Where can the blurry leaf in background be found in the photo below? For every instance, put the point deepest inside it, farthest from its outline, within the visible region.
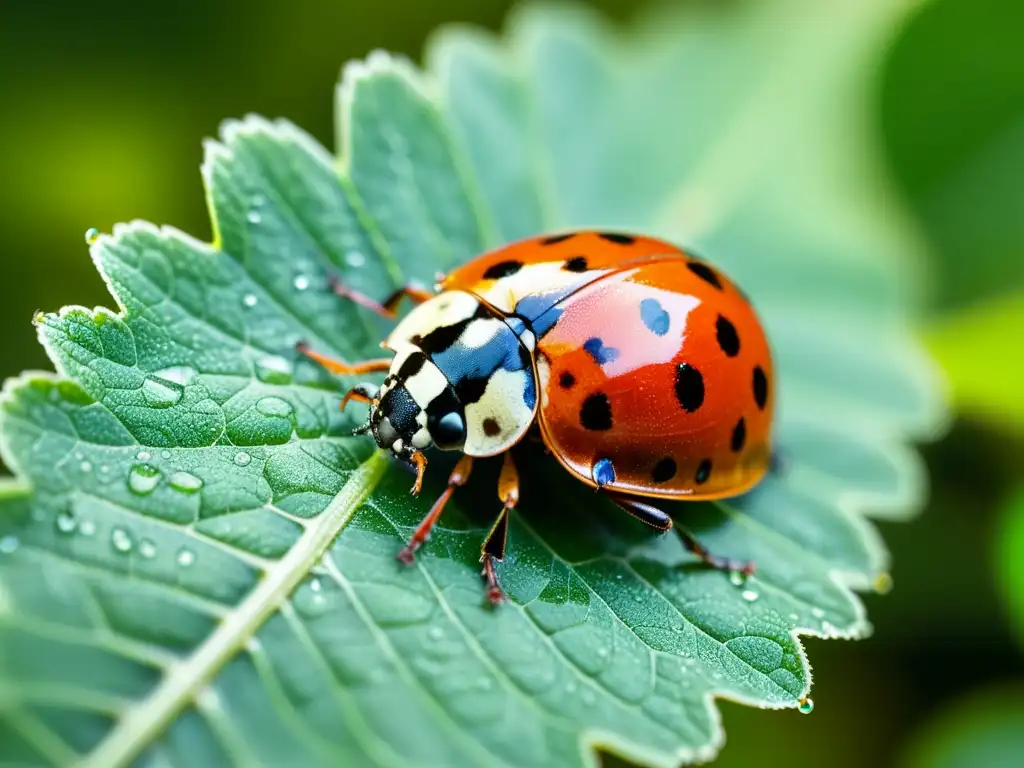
(983, 730)
(187, 482)
(981, 349)
(1009, 557)
(953, 111)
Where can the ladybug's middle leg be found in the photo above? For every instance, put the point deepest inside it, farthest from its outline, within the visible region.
(493, 549)
(458, 477)
(657, 519)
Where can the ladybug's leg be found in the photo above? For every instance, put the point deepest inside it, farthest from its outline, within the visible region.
(494, 545)
(655, 518)
(458, 477)
(387, 308)
(342, 368)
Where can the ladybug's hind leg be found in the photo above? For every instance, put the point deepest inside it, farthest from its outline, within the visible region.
(493, 549)
(657, 519)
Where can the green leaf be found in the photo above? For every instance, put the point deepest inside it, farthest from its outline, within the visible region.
(965, 180)
(173, 585)
(985, 728)
(1009, 544)
(979, 348)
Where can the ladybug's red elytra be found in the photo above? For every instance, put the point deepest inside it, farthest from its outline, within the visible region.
(645, 368)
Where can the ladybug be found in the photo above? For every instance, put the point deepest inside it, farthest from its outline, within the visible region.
(645, 368)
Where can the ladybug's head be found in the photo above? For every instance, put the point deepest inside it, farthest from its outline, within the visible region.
(415, 408)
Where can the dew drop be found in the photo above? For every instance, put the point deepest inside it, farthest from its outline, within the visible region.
(87, 528)
(104, 469)
(250, 300)
(92, 235)
(185, 482)
(143, 456)
(602, 652)
(883, 583)
(254, 217)
(147, 549)
(805, 705)
(315, 585)
(736, 578)
(274, 406)
(66, 522)
(750, 595)
(121, 540)
(177, 374)
(8, 544)
(143, 478)
(273, 369)
(85, 466)
(301, 282)
(79, 455)
(165, 454)
(159, 394)
(436, 633)
(185, 557)
(355, 259)
(242, 459)
(817, 612)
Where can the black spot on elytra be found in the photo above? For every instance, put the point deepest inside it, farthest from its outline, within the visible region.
(760, 387)
(502, 269)
(618, 239)
(553, 239)
(705, 273)
(576, 264)
(689, 387)
(728, 339)
(664, 470)
(596, 413)
(739, 436)
(703, 472)
(491, 427)
(439, 339)
(566, 380)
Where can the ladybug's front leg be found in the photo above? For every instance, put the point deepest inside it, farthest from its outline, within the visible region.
(493, 549)
(342, 368)
(657, 519)
(458, 477)
(387, 308)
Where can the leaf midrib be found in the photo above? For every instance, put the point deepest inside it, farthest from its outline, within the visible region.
(185, 680)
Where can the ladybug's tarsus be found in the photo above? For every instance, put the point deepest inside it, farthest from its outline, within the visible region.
(726, 564)
(458, 477)
(387, 308)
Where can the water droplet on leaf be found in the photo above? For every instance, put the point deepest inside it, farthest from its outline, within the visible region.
(185, 482)
(177, 374)
(315, 585)
(8, 544)
(817, 612)
(87, 528)
(85, 466)
(185, 557)
(92, 235)
(66, 522)
(121, 540)
(143, 478)
(750, 595)
(254, 217)
(273, 370)
(736, 578)
(806, 705)
(355, 259)
(883, 583)
(274, 406)
(143, 456)
(250, 300)
(159, 394)
(436, 633)
(242, 459)
(147, 549)
(301, 282)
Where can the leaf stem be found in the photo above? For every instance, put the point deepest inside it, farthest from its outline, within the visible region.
(185, 680)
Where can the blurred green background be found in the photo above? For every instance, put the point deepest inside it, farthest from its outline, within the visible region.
(104, 109)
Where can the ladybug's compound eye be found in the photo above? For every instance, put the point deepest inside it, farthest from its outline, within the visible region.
(448, 431)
